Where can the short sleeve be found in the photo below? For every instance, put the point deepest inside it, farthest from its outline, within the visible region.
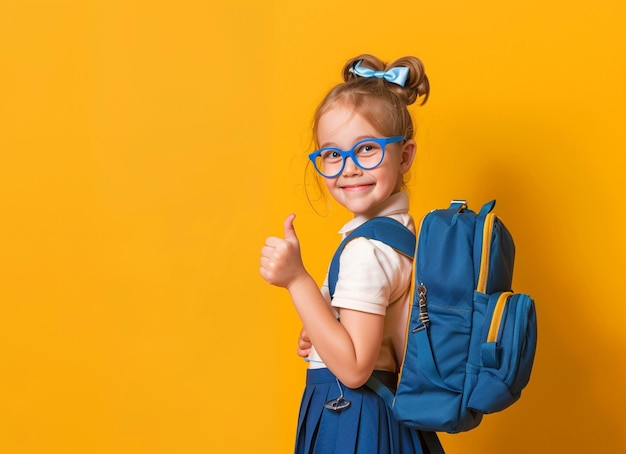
(371, 275)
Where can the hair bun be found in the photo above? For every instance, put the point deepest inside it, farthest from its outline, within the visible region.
(368, 61)
(416, 85)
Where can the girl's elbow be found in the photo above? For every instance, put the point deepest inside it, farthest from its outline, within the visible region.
(356, 379)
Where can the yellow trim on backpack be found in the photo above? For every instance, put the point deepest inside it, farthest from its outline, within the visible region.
(485, 254)
(496, 318)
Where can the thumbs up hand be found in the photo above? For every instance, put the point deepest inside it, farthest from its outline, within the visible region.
(281, 262)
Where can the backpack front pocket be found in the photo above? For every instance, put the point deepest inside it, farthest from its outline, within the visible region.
(507, 352)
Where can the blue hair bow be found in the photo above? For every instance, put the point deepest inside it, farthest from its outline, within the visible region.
(397, 75)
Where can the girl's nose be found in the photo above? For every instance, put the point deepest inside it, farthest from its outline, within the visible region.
(350, 168)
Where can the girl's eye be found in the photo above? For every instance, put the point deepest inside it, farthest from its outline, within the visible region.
(331, 155)
(368, 149)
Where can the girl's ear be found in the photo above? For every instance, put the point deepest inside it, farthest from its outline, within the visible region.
(407, 155)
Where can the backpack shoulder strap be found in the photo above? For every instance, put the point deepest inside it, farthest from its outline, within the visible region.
(384, 229)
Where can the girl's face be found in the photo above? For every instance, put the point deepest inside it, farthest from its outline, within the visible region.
(362, 191)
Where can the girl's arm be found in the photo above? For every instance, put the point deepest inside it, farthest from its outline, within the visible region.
(349, 348)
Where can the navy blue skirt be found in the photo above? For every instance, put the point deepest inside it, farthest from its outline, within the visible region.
(367, 426)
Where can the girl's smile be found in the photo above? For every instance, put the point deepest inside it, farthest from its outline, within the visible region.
(357, 187)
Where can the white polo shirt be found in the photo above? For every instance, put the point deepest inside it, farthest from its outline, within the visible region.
(376, 279)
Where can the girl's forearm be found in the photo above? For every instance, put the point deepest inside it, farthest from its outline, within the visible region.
(332, 341)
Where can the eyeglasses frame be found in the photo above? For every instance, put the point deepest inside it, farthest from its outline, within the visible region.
(382, 141)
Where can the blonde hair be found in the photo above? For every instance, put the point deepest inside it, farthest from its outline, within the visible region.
(383, 104)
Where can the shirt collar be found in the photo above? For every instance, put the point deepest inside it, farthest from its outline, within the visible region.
(397, 203)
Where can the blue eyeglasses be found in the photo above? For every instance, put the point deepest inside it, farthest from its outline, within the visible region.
(366, 154)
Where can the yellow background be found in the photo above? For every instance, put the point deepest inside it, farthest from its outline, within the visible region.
(148, 148)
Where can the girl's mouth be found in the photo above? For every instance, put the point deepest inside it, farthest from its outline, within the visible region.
(357, 187)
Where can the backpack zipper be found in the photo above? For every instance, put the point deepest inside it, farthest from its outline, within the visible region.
(496, 318)
(485, 255)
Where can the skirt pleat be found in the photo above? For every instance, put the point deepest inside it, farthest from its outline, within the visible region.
(349, 425)
(310, 418)
(371, 436)
(366, 427)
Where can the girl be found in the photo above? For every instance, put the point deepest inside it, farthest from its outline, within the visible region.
(364, 135)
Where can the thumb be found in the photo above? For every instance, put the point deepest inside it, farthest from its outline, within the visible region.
(290, 231)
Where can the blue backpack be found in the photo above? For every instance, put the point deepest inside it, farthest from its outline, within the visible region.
(470, 340)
